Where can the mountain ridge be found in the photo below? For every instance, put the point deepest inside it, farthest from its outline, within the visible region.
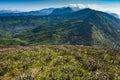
(96, 23)
(60, 11)
(45, 11)
(84, 27)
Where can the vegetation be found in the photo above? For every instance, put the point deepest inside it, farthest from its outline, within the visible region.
(60, 57)
(12, 41)
(59, 62)
(63, 26)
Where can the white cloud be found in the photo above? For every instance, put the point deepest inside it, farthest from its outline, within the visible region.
(105, 8)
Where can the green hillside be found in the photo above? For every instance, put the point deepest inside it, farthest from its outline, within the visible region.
(84, 27)
(12, 41)
(63, 62)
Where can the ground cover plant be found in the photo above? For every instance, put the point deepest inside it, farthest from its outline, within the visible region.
(59, 62)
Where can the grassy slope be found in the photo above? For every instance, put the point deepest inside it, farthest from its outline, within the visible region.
(59, 63)
(12, 41)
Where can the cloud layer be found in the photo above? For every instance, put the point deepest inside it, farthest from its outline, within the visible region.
(112, 9)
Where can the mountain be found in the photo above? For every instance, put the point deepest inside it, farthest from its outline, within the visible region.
(115, 15)
(83, 27)
(40, 12)
(45, 11)
(64, 26)
(8, 11)
(63, 10)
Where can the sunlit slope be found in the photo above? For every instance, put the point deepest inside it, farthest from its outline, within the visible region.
(59, 63)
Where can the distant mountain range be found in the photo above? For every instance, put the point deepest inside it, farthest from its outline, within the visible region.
(45, 11)
(60, 11)
(8, 11)
(17, 13)
(62, 26)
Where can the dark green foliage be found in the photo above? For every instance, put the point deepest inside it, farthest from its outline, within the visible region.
(63, 62)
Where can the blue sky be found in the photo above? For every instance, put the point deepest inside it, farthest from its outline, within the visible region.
(27, 5)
